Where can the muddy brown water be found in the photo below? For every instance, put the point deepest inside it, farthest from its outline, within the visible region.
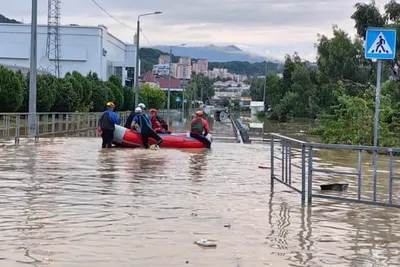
(66, 202)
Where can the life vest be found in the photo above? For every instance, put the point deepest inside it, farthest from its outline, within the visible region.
(197, 126)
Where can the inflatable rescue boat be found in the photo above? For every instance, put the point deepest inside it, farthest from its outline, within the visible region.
(128, 138)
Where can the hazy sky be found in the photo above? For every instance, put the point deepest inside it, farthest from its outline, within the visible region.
(267, 27)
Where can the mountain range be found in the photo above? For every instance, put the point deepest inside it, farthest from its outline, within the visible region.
(213, 53)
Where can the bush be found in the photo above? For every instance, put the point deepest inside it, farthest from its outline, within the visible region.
(152, 97)
(72, 93)
(11, 93)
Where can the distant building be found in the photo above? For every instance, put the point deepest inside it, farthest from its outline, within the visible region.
(83, 49)
(150, 79)
(200, 67)
(163, 59)
(184, 68)
(217, 72)
(161, 69)
(161, 82)
(230, 89)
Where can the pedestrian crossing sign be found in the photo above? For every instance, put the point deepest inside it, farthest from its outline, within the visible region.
(380, 43)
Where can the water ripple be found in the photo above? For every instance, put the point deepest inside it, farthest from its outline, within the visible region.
(65, 202)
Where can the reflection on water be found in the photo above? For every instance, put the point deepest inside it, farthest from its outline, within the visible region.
(69, 203)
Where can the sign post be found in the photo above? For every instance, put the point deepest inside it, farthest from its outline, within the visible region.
(380, 44)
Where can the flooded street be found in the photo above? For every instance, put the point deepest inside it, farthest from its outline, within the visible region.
(66, 202)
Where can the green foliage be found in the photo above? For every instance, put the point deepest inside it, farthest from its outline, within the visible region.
(67, 99)
(47, 86)
(152, 97)
(11, 92)
(129, 98)
(200, 83)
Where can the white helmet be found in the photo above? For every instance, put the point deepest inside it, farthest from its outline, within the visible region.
(142, 106)
(138, 110)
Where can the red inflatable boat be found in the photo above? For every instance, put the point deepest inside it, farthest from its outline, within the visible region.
(127, 138)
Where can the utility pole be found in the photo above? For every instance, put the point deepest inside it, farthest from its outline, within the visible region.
(169, 83)
(33, 73)
(265, 82)
(137, 64)
(137, 55)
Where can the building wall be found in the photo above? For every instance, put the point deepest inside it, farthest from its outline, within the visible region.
(202, 65)
(161, 69)
(163, 59)
(83, 49)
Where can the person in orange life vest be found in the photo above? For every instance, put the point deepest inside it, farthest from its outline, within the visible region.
(198, 125)
(158, 124)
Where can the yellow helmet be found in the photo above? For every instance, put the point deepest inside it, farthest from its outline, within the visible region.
(110, 104)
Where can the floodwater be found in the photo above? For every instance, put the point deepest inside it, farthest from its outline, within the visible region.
(65, 202)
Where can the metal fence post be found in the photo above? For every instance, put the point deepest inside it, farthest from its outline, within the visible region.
(303, 174)
(310, 170)
(272, 163)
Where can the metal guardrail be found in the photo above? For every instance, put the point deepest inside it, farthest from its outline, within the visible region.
(295, 163)
(15, 125)
(236, 130)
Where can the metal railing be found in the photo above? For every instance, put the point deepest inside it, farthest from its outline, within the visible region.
(236, 130)
(296, 168)
(15, 125)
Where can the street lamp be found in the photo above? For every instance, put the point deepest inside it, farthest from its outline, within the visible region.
(265, 82)
(169, 81)
(137, 55)
(33, 73)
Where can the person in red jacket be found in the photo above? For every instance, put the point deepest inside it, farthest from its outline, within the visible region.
(158, 124)
(200, 129)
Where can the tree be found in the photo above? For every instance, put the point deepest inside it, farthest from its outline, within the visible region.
(129, 98)
(86, 88)
(152, 97)
(11, 94)
(47, 86)
(67, 99)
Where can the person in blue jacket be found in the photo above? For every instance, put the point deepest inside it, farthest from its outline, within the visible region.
(141, 123)
(107, 122)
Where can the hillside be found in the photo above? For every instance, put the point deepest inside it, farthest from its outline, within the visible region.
(150, 57)
(214, 53)
(3, 19)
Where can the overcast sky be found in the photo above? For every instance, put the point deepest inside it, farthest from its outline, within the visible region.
(267, 27)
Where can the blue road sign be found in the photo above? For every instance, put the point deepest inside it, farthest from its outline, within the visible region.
(178, 99)
(380, 43)
(241, 103)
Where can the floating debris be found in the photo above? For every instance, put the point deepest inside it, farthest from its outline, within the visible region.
(193, 214)
(227, 225)
(263, 167)
(334, 187)
(205, 243)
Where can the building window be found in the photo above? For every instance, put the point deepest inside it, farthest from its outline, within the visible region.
(118, 72)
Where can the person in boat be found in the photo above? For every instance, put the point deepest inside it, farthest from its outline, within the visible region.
(158, 123)
(133, 114)
(130, 119)
(200, 129)
(142, 124)
(107, 122)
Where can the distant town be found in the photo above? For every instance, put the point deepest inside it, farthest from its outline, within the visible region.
(184, 68)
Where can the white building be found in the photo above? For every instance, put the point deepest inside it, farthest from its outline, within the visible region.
(83, 49)
(161, 69)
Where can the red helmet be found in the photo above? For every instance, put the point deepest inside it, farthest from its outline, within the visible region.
(153, 111)
(199, 113)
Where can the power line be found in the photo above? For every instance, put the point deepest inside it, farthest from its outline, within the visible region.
(111, 16)
(117, 20)
(145, 37)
